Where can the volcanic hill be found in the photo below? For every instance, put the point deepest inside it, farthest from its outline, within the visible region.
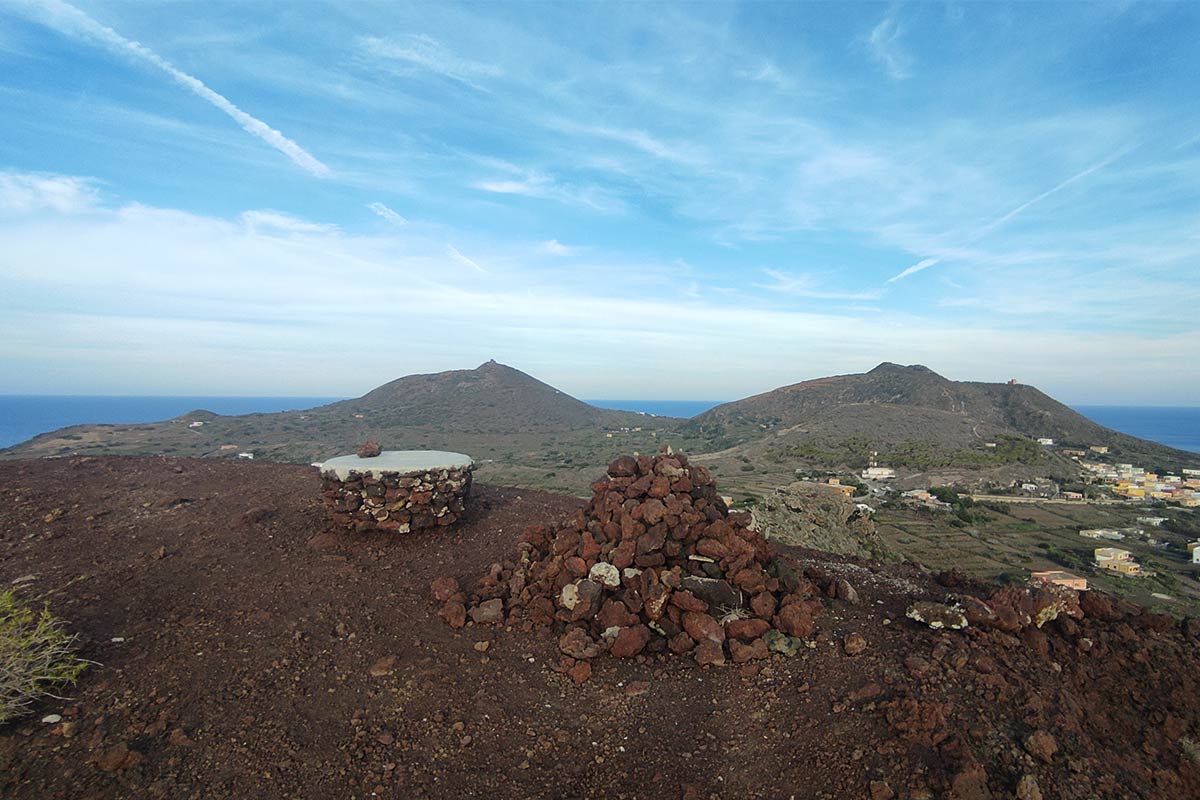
(913, 417)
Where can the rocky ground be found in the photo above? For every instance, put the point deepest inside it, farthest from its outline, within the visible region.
(245, 649)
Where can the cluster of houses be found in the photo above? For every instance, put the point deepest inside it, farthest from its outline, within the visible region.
(1135, 483)
(1114, 559)
(922, 498)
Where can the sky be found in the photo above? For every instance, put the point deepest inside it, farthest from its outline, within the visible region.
(629, 200)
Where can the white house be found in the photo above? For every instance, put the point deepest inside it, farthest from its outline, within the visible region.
(1045, 441)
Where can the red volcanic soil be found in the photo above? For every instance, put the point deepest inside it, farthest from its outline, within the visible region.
(244, 649)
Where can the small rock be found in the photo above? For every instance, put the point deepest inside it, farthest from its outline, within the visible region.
(489, 612)
(709, 652)
(481, 647)
(179, 739)
(779, 642)
(383, 666)
(847, 592)
(880, 790)
(114, 758)
(581, 672)
(630, 641)
(604, 573)
(369, 449)
(854, 644)
(1041, 745)
(52, 719)
(385, 738)
(1028, 789)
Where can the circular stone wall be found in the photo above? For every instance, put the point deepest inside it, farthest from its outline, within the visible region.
(397, 490)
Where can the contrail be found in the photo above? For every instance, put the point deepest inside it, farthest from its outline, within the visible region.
(69, 20)
(1001, 220)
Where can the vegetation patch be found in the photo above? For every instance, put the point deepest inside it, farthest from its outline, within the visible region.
(37, 656)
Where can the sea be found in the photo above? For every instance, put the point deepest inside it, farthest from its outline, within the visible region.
(25, 416)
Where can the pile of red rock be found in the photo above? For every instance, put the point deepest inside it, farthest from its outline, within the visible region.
(654, 562)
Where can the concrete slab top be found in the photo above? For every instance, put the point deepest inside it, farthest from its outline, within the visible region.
(404, 462)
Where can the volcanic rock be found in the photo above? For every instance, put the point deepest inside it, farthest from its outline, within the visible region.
(654, 562)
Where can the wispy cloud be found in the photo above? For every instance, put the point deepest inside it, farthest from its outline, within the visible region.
(807, 286)
(265, 220)
(26, 192)
(554, 247)
(69, 20)
(460, 258)
(539, 185)
(884, 44)
(387, 213)
(425, 52)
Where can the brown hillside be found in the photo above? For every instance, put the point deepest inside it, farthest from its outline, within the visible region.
(245, 650)
(894, 405)
(492, 397)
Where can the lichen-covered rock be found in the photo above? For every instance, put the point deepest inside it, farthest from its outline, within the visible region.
(938, 616)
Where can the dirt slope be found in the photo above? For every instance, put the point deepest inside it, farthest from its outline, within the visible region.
(250, 636)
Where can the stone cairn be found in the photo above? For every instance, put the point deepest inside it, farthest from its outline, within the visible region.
(655, 562)
(400, 502)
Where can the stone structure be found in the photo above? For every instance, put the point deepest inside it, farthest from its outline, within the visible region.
(397, 490)
(654, 562)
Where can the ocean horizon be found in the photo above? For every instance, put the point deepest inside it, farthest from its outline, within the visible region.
(24, 416)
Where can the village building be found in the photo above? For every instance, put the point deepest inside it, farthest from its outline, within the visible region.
(1102, 533)
(1117, 560)
(1060, 578)
(1046, 442)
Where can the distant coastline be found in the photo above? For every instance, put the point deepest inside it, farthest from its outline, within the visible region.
(24, 416)
(1174, 426)
(660, 408)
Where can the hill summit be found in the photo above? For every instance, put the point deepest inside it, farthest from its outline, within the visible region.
(492, 397)
(893, 407)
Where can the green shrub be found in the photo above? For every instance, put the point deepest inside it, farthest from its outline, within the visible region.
(36, 656)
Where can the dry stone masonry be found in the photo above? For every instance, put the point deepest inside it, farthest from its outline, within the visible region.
(397, 490)
(654, 563)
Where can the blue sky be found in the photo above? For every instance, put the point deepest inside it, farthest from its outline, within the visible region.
(626, 200)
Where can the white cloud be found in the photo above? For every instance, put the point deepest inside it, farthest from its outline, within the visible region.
(280, 300)
(387, 213)
(884, 44)
(554, 247)
(536, 184)
(274, 220)
(69, 20)
(28, 192)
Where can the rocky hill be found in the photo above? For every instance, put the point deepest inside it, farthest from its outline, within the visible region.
(491, 398)
(522, 431)
(243, 648)
(913, 417)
